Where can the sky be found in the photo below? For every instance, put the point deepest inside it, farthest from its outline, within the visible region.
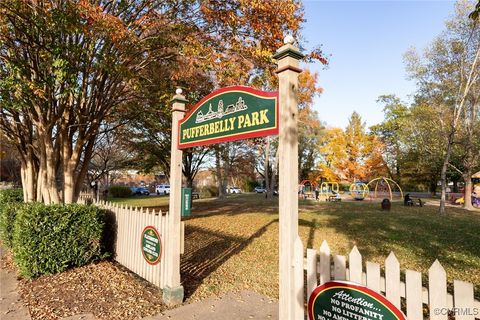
(367, 40)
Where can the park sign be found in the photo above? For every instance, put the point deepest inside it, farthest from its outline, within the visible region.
(341, 300)
(151, 245)
(229, 114)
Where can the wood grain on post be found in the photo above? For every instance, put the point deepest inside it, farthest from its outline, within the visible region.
(172, 247)
(288, 57)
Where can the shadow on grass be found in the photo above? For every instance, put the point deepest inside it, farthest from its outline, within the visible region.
(206, 250)
(416, 235)
(235, 204)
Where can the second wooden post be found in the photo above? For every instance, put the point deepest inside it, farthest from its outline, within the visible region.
(288, 58)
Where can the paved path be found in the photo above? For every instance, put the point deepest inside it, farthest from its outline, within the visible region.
(244, 305)
(11, 306)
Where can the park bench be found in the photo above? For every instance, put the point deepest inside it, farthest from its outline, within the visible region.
(195, 195)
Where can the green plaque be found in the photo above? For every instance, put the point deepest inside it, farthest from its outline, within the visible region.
(186, 202)
(349, 301)
(151, 245)
(229, 114)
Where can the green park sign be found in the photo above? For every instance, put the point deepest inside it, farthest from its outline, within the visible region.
(229, 114)
(341, 300)
(151, 245)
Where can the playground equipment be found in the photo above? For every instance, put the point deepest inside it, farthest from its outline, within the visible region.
(306, 189)
(383, 186)
(475, 192)
(328, 189)
(359, 190)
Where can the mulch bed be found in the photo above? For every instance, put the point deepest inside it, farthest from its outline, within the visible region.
(105, 289)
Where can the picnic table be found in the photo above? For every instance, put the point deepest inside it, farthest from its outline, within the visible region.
(334, 198)
(195, 195)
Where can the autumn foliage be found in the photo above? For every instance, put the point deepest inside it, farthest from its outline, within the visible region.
(352, 154)
(69, 68)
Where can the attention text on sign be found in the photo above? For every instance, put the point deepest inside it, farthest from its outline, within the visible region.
(338, 300)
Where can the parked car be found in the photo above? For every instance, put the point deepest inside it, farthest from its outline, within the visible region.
(162, 189)
(260, 190)
(234, 190)
(140, 191)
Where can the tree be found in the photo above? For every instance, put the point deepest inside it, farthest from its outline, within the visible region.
(9, 163)
(352, 154)
(230, 42)
(109, 156)
(310, 128)
(413, 143)
(391, 133)
(475, 13)
(447, 76)
(192, 163)
(65, 66)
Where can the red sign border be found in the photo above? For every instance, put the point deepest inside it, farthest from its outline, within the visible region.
(256, 134)
(354, 286)
(161, 245)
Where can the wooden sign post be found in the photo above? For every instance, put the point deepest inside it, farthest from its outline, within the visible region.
(173, 292)
(288, 58)
(233, 113)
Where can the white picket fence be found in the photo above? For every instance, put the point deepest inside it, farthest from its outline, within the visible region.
(130, 223)
(410, 296)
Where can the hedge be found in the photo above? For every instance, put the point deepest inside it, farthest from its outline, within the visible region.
(11, 196)
(10, 200)
(120, 192)
(208, 191)
(50, 239)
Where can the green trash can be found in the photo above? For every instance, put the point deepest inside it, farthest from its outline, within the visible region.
(186, 202)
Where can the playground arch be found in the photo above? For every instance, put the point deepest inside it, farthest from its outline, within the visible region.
(382, 186)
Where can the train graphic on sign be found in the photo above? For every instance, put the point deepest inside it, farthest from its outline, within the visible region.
(233, 108)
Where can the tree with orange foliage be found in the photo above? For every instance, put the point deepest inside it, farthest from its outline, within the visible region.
(352, 154)
(67, 67)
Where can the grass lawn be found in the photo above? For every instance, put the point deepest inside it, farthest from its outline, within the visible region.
(232, 244)
(143, 201)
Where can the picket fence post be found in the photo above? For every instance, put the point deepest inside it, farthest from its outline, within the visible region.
(462, 304)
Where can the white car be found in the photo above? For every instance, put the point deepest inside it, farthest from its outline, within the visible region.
(260, 190)
(162, 189)
(234, 190)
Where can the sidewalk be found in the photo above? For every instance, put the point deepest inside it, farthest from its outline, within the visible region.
(11, 306)
(242, 305)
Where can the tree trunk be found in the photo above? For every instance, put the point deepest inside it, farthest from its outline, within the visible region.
(189, 181)
(273, 181)
(267, 165)
(69, 185)
(433, 188)
(227, 166)
(218, 173)
(467, 177)
(443, 175)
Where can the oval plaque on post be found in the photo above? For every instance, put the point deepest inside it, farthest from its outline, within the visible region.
(345, 301)
(151, 245)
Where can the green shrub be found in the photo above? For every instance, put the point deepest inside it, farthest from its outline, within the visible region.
(50, 239)
(120, 192)
(10, 200)
(8, 212)
(11, 196)
(208, 191)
